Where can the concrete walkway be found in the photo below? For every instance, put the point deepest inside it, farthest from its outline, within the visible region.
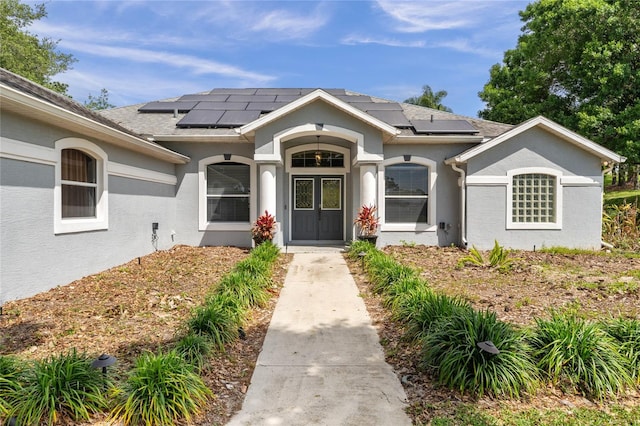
(321, 362)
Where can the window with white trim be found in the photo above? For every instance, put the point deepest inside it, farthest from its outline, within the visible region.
(228, 192)
(534, 199)
(81, 189)
(406, 193)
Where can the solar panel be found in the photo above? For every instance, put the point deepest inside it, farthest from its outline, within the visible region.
(233, 91)
(209, 98)
(222, 106)
(264, 106)
(443, 126)
(251, 98)
(159, 106)
(237, 118)
(281, 91)
(287, 98)
(354, 98)
(200, 118)
(378, 106)
(395, 118)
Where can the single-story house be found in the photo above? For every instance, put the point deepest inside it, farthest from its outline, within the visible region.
(83, 191)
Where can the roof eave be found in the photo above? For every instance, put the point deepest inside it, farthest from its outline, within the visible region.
(318, 94)
(436, 139)
(32, 107)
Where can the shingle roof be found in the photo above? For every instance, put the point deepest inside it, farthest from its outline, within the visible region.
(219, 111)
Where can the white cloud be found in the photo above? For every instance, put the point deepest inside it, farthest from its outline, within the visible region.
(359, 39)
(193, 64)
(288, 25)
(422, 16)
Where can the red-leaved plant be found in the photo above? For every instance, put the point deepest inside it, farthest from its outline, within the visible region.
(367, 220)
(263, 228)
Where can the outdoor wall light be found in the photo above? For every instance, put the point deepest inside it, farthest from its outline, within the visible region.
(104, 361)
(227, 157)
(489, 347)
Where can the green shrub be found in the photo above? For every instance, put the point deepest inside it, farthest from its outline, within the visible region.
(358, 247)
(383, 278)
(248, 290)
(194, 348)
(218, 319)
(499, 258)
(11, 378)
(60, 386)
(401, 287)
(450, 349)
(430, 308)
(254, 266)
(579, 355)
(267, 251)
(627, 334)
(160, 390)
(474, 258)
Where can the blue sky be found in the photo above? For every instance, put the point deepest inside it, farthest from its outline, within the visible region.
(149, 50)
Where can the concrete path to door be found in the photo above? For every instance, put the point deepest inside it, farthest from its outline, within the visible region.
(321, 362)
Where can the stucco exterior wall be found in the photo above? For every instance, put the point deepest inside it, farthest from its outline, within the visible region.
(580, 186)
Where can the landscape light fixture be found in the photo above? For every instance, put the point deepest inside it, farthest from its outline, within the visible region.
(104, 361)
(489, 347)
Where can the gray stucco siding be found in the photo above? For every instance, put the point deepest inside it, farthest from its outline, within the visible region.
(534, 148)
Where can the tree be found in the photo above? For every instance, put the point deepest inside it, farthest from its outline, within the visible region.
(99, 102)
(429, 99)
(577, 63)
(26, 54)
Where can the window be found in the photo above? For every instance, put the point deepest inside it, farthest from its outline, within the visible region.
(535, 199)
(228, 186)
(317, 158)
(226, 201)
(406, 193)
(80, 194)
(79, 184)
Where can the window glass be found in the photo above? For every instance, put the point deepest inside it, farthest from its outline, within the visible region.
(533, 198)
(228, 188)
(79, 185)
(406, 193)
(317, 159)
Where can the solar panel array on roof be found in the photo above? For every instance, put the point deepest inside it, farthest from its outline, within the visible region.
(444, 127)
(394, 118)
(168, 106)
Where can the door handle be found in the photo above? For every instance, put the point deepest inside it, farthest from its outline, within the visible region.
(319, 211)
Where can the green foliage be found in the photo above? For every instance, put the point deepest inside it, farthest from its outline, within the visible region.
(99, 102)
(25, 54)
(194, 349)
(11, 372)
(430, 99)
(254, 266)
(450, 348)
(358, 247)
(627, 334)
(401, 287)
(386, 272)
(60, 386)
(576, 63)
(263, 228)
(160, 390)
(499, 258)
(579, 355)
(218, 319)
(267, 251)
(247, 289)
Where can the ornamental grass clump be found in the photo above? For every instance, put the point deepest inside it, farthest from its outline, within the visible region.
(254, 266)
(11, 378)
(63, 386)
(627, 334)
(401, 287)
(267, 251)
(194, 349)
(161, 389)
(451, 350)
(358, 248)
(247, 289)
(579, 355)
(218, 319)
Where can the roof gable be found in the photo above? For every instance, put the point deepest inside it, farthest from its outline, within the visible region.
(317, 95)
(550, 126)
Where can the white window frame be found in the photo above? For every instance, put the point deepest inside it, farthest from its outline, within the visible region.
(557, 201)
(79, 224)
(204, 224)
(431, 196)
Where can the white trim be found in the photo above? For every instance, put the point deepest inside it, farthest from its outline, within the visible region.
(318, 94)
(317, 170)
(34, 108)
(434, 139)
(101, 221)
(578, 181)
(431, 198)
(557, 201)
(598, 150)
(23, 151)
(487, 180)
(132, 172)
(203, 223)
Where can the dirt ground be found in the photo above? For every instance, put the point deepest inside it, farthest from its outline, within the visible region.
(142, 305)
(596, 286)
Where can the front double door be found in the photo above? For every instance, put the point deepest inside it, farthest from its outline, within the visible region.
(318, 208)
